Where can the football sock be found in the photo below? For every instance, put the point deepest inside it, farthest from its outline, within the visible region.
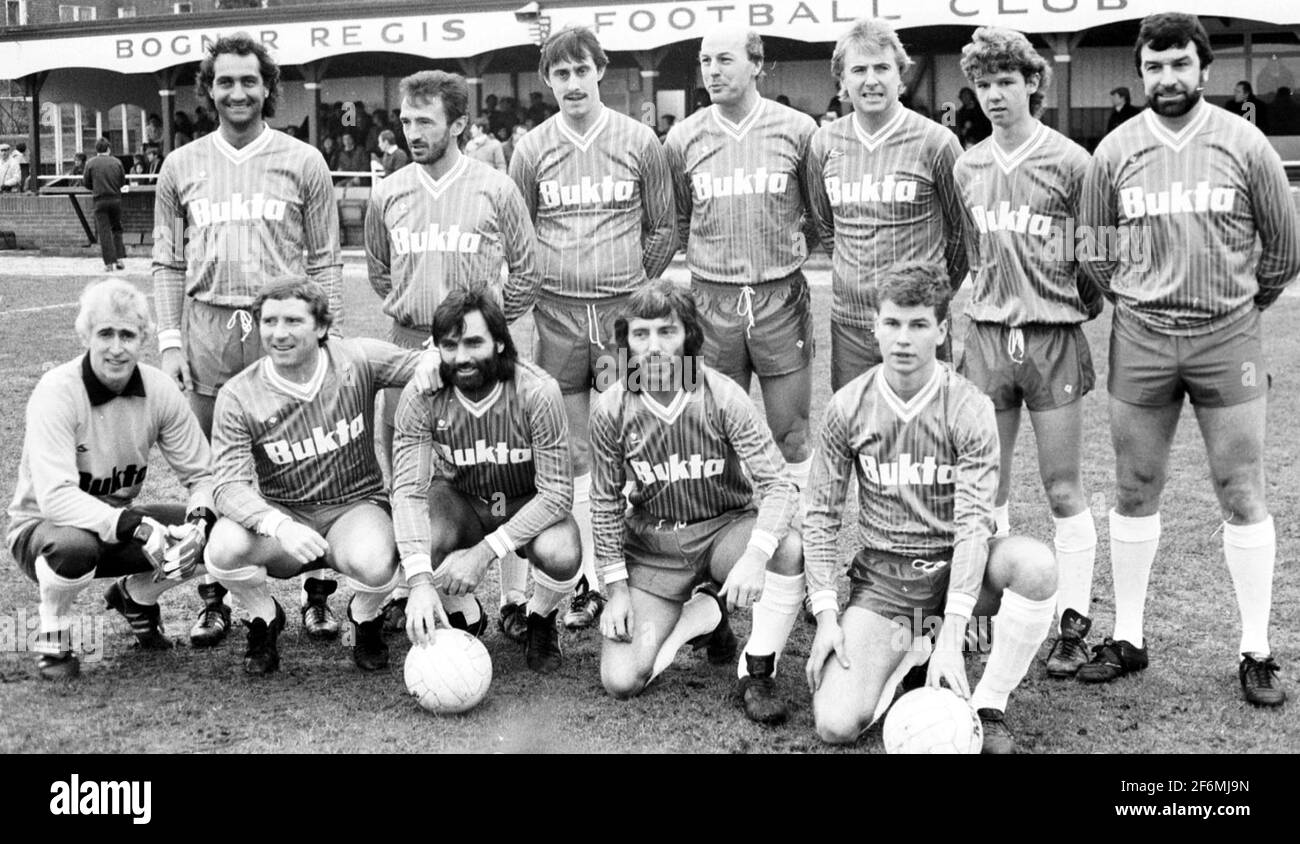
(368, 601)
(248, 586)
(1133, 541)
(57, 595)
(774, 617)
(1022, 625)
(142, 589)
(463, 604)
(1002, 519)
(514, 578)
(1076, 556)
(549, 592)
(401, 590)
(700, 615)
(800, 472)
(1251, 551)
(323, 575)
(582, 515)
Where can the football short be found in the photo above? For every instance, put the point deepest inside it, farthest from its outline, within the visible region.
(446, 501)
(575, 339)
(669, 559)
(765, 329)
(219, 343)
(1219, 369)
(321, 518)
(854, 350)
(1040, 366)
(72, 551)
(896, 586)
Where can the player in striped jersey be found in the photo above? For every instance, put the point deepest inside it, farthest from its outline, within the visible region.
(739, 169)
(923, 444)
(597, 185)
(297, 480)
(880, 187)
(442, 223)
(234, 208)
(1025, 345)
(91, 424)
(481, 469)
(685, 437)
(1195, 186)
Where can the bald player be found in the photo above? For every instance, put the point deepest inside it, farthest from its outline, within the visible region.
(739, 169)
(1025, 346)
(1201, 186)
(233, 209)
(597, 185)
(880, 187)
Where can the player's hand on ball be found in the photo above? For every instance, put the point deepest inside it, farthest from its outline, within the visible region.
(177, 368)
(426, 377)
(185, 552)
(828, 640)
(948, 666)
(465, 569)
(744, 585)
(423, 612)
(301, 542)
(616, 619)
(152, 536)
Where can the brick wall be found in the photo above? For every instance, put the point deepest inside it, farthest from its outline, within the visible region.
(49, 222)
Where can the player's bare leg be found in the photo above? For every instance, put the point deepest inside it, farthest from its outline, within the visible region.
(1234, 442)
(788, 401)
(363, 550)
(1008, 432)
(1141, 437)
(847, 699)
(585, 609)
(242, 561)
(626, 668)
(213, 623)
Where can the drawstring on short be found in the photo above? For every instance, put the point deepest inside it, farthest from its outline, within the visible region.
(593, 327)
(1016, 345)
(745, 306)
(245, 323)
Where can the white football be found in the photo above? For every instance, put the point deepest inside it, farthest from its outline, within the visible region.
(932, 720)
(451, 674)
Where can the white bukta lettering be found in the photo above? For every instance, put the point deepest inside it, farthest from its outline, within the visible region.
(483, 452)
(587, 193)
(321, 441)
(435, 239)
(906, 472)
(868, 189)
(739, 183)
(205, 212)
(691, 468)
(1202, 198)
(1004, 218)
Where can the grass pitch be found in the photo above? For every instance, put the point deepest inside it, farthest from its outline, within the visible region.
(188, 700)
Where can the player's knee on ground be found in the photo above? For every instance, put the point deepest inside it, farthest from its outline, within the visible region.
(621, 677)
(1025, 566)
(227, 548)
(788, 559)
(71, 553)
(836, 723)
(556, 553)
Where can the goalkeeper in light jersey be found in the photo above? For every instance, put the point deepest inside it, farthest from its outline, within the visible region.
(91, 423)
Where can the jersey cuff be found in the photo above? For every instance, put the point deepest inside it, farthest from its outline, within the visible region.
(822, 600)
(417, 564)
(500, 543)
(271, 522)
(613, 573)
(169, 338)
(959, 604)
(764, 542)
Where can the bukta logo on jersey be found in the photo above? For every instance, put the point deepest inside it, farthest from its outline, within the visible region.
(869, 189)
(483, 453)
(132, 475)
(1004, 218)
(693, 467)
(1177, 200)
(321, 441)
(906, 472)
(739, 183)
(205, 212)
(588, 192)
(435, 239)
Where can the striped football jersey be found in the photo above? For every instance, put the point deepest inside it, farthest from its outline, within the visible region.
(927, 472)
(1187, 207)
(1020, 231)
(602, 204)
(690, 461)
(85, 458)
(740, 192)
(426, 237)
(228, 220)
(882, 199)
(513, 442)
(312, 443)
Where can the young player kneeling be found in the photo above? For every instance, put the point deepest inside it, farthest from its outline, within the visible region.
(495, 442)
(680, 432)
(298, 485)
(923, 442)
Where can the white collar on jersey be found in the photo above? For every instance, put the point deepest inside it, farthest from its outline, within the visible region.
(672, 411)
(303, 392)
(583, 142)
(738, 130)
(907, 410)
(872, 141)
(1008, 161)
(437, 186)
(239, 156)
(478, 408)
(1177, 140)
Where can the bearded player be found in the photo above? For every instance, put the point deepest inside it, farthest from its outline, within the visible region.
(597, 185)
(693, 448)
(482, 469)
(233, 209)
(1025, 346)
(923, 444)
(880, 187)
(297, 480)
(1201, 186)
(739, 169)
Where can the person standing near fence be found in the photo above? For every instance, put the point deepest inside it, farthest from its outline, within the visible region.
(104, 177)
